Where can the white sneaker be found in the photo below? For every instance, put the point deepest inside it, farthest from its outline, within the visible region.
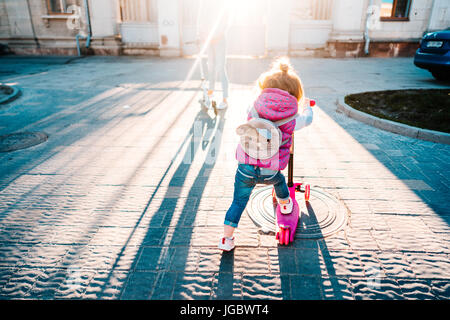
(226, 244)
(286, 206)
(222, 105)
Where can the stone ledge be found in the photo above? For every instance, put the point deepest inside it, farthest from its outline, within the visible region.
(392, 126)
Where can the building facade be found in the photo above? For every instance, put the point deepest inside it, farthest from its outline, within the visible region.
(333, 28)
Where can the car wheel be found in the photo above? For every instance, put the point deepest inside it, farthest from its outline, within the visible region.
(441, 75)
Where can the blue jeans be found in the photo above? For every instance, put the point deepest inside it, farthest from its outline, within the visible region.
(247, 176)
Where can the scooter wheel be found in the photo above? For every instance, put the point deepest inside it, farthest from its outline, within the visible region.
(283, 236)
(286, 236)
(307, 192)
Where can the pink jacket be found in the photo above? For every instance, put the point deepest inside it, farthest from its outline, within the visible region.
(273, 104)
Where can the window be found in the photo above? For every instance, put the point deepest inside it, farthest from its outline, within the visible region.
(60, 6)
(139, 10)
(395, 9)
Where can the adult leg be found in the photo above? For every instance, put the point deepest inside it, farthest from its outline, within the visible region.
(221, 66)
(211, 67)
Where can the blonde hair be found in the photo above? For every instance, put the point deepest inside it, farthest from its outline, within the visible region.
(282, 76)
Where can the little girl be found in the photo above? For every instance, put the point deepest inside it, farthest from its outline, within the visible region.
(281, 93)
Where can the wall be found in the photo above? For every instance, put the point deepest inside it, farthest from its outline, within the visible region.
(441, 16)
(55, 34)
(388, 38)
(338, 33)
(405, 30)
(310, 26)
(18, 18)
(4, 23)
(103, 17)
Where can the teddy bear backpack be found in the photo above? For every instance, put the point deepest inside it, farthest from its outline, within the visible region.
(261, 138)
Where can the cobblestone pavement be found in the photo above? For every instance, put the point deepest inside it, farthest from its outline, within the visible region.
(127, 197)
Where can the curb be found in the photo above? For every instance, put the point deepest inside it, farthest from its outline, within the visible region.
(15, 94)
(392, 126)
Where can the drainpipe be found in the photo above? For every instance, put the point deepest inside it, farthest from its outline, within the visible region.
(366, 30)
(32, 26)
(89, 36)
(431, 16)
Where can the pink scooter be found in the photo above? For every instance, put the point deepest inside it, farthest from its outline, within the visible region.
(287, 223)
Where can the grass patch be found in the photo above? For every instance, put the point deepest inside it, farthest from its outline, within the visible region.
(423, 108)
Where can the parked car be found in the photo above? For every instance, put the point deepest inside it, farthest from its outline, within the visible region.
(434, 54)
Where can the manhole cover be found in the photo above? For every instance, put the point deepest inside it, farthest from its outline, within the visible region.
(323, 215)
(21, 140)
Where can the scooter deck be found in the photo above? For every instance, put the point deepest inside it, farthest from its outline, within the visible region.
(287, 223)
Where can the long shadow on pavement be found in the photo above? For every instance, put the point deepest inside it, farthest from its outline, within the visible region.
(11, 233)
(164, 260)
(308, 268)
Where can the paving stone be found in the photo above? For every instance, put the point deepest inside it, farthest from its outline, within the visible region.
(139, 285)
(305, 287)
(106, 285)
(337, 241)
(12, 255)
(310, 262)
(20, 283)
(118, 205)
(334, 288)
(262, 287)
(417, 184)
(307, 243)
(167, 258)
(376, 289)
(193, 286)
(371, 264)
(416, 289)
(361, 239)
(441, 289)
(385, 240)
(429, 265)
(48, 283)
(342, 263)
(437, 224)
(395, 264)
(45, 256)
(227, 286)
(269, 240)
(282, 260)
(251, 261)
(75, 283)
